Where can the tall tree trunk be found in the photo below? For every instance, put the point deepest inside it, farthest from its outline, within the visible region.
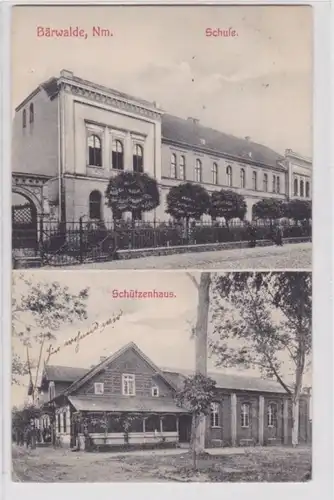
(201, 349)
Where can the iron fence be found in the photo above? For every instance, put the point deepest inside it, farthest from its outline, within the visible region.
(70, 242)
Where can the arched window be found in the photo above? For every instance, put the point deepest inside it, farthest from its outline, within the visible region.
(214, 415)
(229, 175)
(94, 151)
(95, 199)
(214, 173)
(198, 171)
(307, 189)
(182, 168)
(272, 415)
(31, 113)
(173, 166)
(278, 185)
(138, 158)
(274, 183)
(245, 415)
(242, 178)
(265, 183)
(117, 155)
(301, 189)
(24, 118)
(295, 187)
(254, 181)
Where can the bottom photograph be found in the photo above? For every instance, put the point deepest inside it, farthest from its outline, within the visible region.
(161, 376)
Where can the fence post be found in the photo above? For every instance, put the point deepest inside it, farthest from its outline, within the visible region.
(80, 240)
(41, 229)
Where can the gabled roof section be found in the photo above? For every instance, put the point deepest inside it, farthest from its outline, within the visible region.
(230, 382)
(101, 366)
(63, 373)
(50, 86)
(192, 133)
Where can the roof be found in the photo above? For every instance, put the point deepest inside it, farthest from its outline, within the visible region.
(86, 403)
(194, 134)
(230, 382)
(63, 373)
(98, 368)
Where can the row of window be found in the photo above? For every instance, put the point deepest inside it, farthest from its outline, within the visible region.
(301, 188)
(94, 144)
(176, 173)
(245, 415)
(31, 116)
(128, 386)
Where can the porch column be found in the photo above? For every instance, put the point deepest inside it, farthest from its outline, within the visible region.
(161, 425)
(234, 419)
(177, 424)
(144, 429)
(261, 420)
(285, 421)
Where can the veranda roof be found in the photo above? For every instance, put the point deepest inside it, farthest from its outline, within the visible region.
(131, 404)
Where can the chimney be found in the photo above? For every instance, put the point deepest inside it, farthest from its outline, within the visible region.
(194, 120)
(66, 73)
(247, 138)
(102, 358)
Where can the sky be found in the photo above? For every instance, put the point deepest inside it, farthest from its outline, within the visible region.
(257, 84)
(160, 327)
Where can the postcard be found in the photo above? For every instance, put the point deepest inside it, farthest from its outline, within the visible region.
(162, 137)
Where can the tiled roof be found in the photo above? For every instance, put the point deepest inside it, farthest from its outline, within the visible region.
(64, 373)
(230, 382)
(86, 403)
(194, 134)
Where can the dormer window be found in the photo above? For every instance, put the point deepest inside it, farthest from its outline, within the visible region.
(52, 390)
(155, 391)
(128, 385)
(98, 388)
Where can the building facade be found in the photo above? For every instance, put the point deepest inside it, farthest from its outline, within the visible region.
(247, 411)
(70, 136)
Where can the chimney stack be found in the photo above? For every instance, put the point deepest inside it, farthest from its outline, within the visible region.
(66, 73)
(194, 120)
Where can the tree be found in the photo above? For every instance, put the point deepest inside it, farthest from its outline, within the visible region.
(270, 315)
(201, 347)
(298, 210)
(132, 192)
(228, 204)
(196, 395)
(187, 201)
(268, 208)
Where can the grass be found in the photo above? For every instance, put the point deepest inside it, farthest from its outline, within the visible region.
(274, 464)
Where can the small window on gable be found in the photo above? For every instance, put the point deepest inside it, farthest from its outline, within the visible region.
(155, 391)
(31, 113)
(24, 118)
(128, 384)
(98, 388)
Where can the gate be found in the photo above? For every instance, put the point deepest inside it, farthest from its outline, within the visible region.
(24, 226)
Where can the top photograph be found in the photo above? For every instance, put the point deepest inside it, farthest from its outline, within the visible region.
(162, 137)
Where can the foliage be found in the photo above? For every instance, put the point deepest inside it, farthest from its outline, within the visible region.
(256, 299)
(187, 201)
(299, 210)
(22, 417)
(268, 208)
(132, 192)
(38, 313)
(228, 204)
(197, 394)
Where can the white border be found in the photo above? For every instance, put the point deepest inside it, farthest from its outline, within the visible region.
(322, 483)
